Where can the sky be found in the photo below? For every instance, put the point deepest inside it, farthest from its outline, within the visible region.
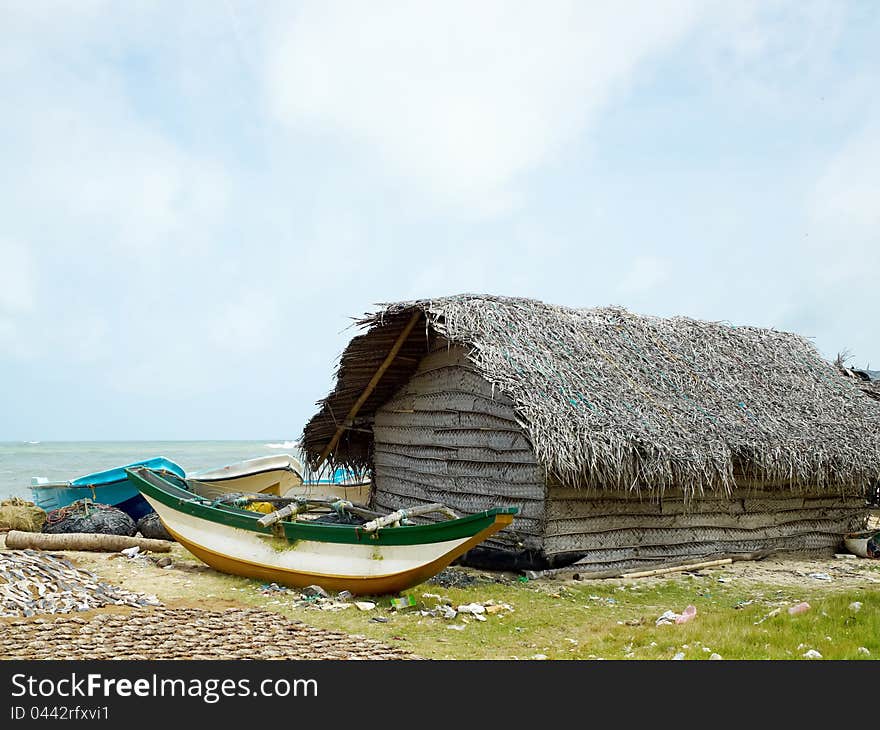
(196, 198)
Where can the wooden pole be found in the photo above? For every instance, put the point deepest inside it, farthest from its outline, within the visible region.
(371, 386)
(678, 568)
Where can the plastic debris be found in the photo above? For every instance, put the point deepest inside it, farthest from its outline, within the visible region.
(344, 595)
(678, 657)
(774, 612)
(456, 627)
(671, 617)
(799, 608)
(479, 617)
(365, 605)
(130, 552)
(667, 617)
(539, 657)
(473, 608)
(403, 602)
(820, 576)
(715, 657)
(855, 606)
(864, 650)
(812, 654)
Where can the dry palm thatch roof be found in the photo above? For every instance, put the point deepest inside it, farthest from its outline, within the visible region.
(867, 380)
(616, 400)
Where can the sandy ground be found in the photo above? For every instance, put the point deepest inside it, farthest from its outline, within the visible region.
(200, 604)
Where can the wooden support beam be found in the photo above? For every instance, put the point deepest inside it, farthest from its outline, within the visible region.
(371, 386)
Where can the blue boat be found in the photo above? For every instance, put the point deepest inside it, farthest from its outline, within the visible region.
(106, 487)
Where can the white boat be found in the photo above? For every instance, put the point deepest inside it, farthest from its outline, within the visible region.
(381, 556)
(279, 475)
(275, 475)
(865, 544)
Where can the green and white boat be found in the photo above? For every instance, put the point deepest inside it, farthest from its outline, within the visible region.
(377, 557)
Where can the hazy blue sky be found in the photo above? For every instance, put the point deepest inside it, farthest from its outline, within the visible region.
(195, 197)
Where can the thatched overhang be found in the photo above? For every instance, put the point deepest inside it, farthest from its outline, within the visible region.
(867, 380)
(614, 400)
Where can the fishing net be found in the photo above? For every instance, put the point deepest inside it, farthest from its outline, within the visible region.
(18, 514)
(151, 526)
(84, 515)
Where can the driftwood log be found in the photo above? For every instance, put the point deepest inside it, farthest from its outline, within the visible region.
(18, 540)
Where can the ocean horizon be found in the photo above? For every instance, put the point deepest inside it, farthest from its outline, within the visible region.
(21, 461)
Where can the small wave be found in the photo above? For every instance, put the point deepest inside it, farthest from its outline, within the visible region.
(32, 443)
(285, 445)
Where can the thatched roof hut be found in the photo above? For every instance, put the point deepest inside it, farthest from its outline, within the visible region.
(479, 400)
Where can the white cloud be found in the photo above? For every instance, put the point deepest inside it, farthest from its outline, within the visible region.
(461, 97)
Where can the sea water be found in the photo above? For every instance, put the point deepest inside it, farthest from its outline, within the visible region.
(20, 461)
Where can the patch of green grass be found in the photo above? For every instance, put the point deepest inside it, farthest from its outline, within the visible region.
(567, 619)
(591, 621)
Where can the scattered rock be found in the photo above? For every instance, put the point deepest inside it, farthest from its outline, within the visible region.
(855, 606)
(820, 576)
(539, 657)
(799, 608)
(152, 527)
(812, 654)
(314, 591)
(131, 551)
(365, 605)
(864, 650)
(715, 657)
(164, 562)
(678, 657)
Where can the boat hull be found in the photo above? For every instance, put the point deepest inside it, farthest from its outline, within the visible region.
(117, 494)
(106, 487)
(355, 493)
(275, 482)
(336, 557)
(274, 475)
(865, 544)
